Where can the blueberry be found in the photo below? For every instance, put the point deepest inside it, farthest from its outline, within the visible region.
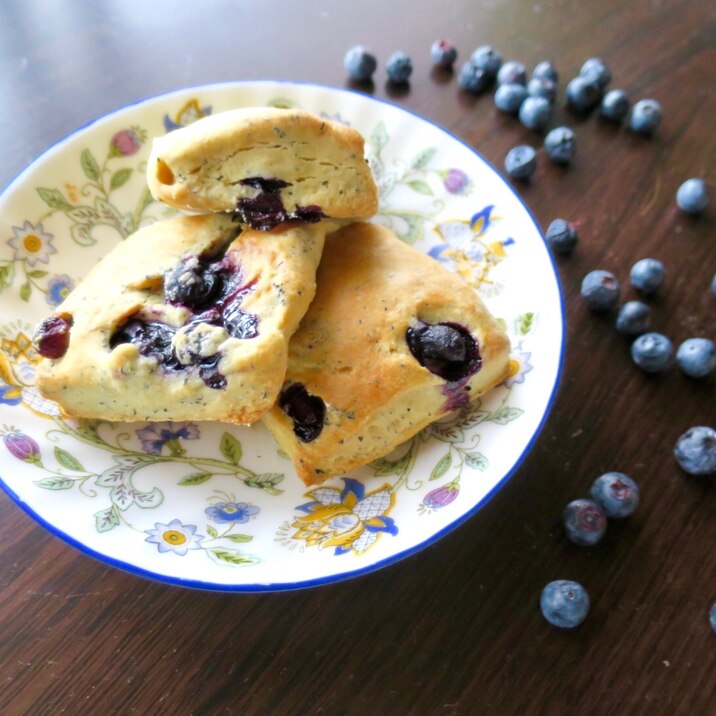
(647, 275)
(712, 616)
(692, 196)
(307, 411)
(399, 67)
(443, 53)
(154, 340)
(561, 237)
(645, 116)
(487, 59)
(240, 323)
(634, 318)
(520, 162)
(564, 603)
(697, 357)
(652, 352)
(600, 289)
(542, 88)
(265, 210)
(52, 337)
(695, 451)
(360, 64)
(583, 95)
(192, 283)
(615, 105)
(596, 71)
(508, 98)
(545, 70)
(535, 113)
(616, 493)
(585, 522)
(560, 145)
(473, 79)
(512, 73)
(445, 349)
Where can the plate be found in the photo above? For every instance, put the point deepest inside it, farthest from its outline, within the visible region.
(216, 506)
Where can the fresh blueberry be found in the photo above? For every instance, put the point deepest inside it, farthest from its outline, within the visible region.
(615, 105)
(647, 275)
(692, 196)
(521, 162)
(634, 318)
(652, 352)
(52, 337)
(562, 237)
(508, 98)
(697, 357)
(564, 603)
(446, 349)
(399, 67)
(511, 73)
(473, 79)
(583, 95)
(695, 451)
(645, 116)
(600, 289)
(585, 522)
(443, 53)
(542, 88)
(545, 70)
(616, 493)
(535, 113)
(560, 145)
(359, 64)
(712, 616)
(596, 71)
(487, 59)
(307, 411)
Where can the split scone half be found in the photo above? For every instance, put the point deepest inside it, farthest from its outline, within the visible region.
(391, 342)
(266, 165)
(188, 318)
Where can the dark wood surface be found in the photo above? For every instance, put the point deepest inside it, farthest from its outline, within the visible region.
(455, 629)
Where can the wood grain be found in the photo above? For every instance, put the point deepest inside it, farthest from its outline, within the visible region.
(455, 629)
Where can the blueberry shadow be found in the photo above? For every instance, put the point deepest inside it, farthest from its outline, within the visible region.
(396, 90)
(442, 75)
(367, 87)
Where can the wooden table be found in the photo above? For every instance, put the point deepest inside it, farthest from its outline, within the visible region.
(455, 629)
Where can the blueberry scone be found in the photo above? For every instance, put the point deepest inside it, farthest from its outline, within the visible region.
(265, 165)
(391, 342)
(188, 318)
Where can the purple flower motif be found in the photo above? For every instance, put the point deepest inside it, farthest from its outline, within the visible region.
(155, 436)
(441, 496)
(456, 181)
(58, 288)
(174, 537)
(231, 512)
(10, 394)
(127, 142)
(31, 244)
(22, 446)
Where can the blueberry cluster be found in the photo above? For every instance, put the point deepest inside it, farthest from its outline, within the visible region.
(361, 64)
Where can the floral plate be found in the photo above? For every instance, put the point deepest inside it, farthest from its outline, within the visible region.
(216, 506)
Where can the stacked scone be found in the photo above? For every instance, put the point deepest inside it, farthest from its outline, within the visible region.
(226, 314)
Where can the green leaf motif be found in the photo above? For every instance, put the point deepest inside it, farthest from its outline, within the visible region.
(7, 273)
(231, 448)
(230, 557)
(67, 461)
(379, 137)
(105, 520)
(119, 178)
(502, 323)
(36, 274)
(477, 460)
(266, 481)
(211, 532)
(442, 467)
(422, 158)
(239, 538)
(121, 497)
(25, 291)
(383, 467)
(148, 500)
(53, 198)
(421, 187)
(505, 415)
(89, 165)
(55, 483)
(196, 478)
(89, 429)
(524, 323)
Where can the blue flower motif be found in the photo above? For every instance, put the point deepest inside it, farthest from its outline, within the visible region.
(190, 112)
(518, 365)
(174, 537)
(10, 394)
(223, 512)
(155, 436)
(58, 288)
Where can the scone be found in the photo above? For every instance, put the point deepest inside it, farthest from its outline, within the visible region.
(266, 165)
(188, 318)
(391, 342)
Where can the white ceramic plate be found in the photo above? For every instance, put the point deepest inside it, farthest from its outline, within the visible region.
(216, 506)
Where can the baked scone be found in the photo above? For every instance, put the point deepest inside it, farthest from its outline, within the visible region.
(266, 165)
(391, 342)
(188, 318)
